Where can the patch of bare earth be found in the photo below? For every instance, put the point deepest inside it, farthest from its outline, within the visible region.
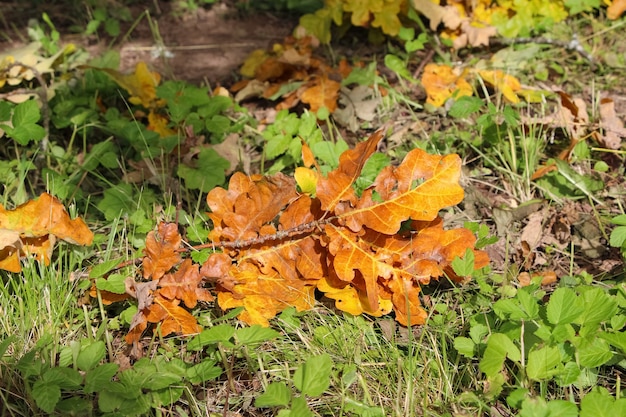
(208, 45)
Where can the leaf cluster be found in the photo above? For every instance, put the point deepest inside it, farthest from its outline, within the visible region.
(563, 338)
(279, 245)
(84, 380)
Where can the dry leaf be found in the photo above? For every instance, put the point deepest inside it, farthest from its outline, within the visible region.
(549, 277)
(611, 124)
(442, 82)
(32, 228)
(615, 9)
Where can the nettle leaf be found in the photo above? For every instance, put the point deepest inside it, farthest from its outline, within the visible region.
(203, 371)
(46, 395)
(90, 356)
(594, 352)
(100, 377)
(600, 403)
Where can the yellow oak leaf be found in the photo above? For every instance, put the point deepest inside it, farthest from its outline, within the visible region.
(504, 83)
(442, 82)
(141, 85)
(351, 301)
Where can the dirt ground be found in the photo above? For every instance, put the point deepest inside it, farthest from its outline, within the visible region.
(206, 46)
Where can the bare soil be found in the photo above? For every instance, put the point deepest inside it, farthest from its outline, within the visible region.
(206, 46)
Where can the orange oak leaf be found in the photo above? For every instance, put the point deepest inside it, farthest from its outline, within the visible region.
(337, 186)
(422, 185)
(184, 285)
(324, 92)
(406, 303)
(263, 295)
(615, 9)
(32, 229)
(161, 251)
(249, 204)
(173, 318)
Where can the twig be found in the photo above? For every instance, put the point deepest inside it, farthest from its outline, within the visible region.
(426, 60)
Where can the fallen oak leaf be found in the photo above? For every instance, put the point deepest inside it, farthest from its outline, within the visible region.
(615, 9)
(172, 317)
(161, 251)
(417, 189)
(32, 229)
(322, 92)
(141, 84)
(442, 82)
(184, 285)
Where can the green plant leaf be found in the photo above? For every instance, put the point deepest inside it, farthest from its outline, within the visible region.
(4, 345)
(599, 307)
(619, 220)
(26, 113)
(465, 346)
(100, 377)
(254, 335)
(276, 394)
(115, 283)
(109, 401)
(564, 306)
(207, 173)
(569, 375)
(65, 378)
(90, 356)
(221, 333)
(615, 339)
(594, 352)
(465, 106)
(203, 372)
(599, 403)
(299, 408)
(464, 267)
(398, 66)
(499, 346)
(543, 363)
(313, 377)
(100, 269)
(46, 395)
(618, 237)
(75, 406)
